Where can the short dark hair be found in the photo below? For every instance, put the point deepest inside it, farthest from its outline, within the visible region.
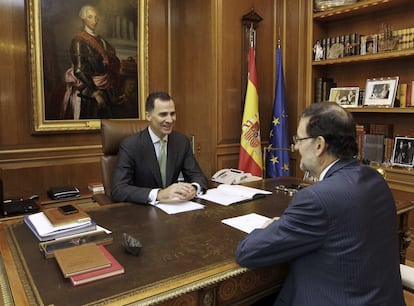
(335, 125)
(149, 103)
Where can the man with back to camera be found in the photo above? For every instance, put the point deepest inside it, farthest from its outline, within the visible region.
(340, 234)
(137, 176)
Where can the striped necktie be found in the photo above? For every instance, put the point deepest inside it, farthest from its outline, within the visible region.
(162, 160)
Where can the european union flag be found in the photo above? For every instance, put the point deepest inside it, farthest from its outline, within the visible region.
(277, 153)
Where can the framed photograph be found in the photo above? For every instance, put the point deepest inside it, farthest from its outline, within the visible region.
(345, 96)
(88, 61)
(381, 92)
(403, 152)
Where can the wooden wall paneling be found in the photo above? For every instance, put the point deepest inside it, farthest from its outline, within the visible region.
(192, 66)
(27, 173)
(14, 81)
(230, 99)
(158, 45)
(20, 150)
(18, 146)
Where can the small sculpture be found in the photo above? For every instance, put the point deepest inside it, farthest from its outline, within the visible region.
(131, 245)
(318, 50)
(336, 51)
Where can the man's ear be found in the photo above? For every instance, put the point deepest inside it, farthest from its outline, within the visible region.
(148, 116)
(321, 145)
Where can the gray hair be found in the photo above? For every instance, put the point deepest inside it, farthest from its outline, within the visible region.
(84, 9)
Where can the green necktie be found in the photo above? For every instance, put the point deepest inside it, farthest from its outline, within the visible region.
(162, 160)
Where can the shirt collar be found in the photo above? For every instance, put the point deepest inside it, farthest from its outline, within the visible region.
(154, 137)
(323, 173)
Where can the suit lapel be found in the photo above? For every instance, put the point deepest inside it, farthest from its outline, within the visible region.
(150, 157)
(172, 148)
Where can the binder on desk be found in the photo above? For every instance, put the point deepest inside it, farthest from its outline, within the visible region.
(100, 236)
(57, 218)
(44, 230)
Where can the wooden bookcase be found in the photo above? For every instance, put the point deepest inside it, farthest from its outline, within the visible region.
(366, 17)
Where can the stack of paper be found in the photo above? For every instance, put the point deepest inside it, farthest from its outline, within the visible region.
(44, 230)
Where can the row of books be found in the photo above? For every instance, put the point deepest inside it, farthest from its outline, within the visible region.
(359, 44)
(405, 95)
(375, 142)
(322, 88)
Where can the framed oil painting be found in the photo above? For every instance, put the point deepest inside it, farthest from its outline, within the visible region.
(88, 61)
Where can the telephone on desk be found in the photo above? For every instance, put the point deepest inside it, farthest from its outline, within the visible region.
(233, 177)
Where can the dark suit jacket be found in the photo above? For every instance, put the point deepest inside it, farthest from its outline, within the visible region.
(340, 237)
(137, 170)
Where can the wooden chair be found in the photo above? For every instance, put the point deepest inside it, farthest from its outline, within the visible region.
(113, 132)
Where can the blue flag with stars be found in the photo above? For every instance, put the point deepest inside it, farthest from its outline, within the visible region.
(277, 153)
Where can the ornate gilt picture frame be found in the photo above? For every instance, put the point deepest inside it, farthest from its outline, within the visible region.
(70, 94)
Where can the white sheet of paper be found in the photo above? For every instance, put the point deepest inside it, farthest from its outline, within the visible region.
(228, 194)
(178, 207)
(246, 223)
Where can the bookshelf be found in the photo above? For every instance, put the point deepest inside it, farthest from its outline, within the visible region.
(367, 17)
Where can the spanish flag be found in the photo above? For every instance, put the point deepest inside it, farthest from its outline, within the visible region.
(250, 159)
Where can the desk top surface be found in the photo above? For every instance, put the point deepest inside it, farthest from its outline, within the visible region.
(187, 247)
(180, 252)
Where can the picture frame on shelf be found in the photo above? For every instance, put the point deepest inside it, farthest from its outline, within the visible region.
(345, 96)
(403, 152)
(381, 91)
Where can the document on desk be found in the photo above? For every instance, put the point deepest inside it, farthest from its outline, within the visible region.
(246, 223)
(179, 207)
(226, 194)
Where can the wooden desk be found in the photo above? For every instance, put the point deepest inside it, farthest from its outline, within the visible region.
(187, 259)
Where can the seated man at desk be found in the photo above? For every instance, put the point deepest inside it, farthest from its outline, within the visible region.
(150, 161)
(340, 234)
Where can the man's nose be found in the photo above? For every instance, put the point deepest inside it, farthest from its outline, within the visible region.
(169, 118)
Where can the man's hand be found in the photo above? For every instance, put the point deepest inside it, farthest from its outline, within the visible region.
(178, 192)
(99, 97)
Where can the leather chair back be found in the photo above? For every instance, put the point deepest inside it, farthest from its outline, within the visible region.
(113, 131)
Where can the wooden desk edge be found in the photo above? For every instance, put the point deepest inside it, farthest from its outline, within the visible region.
(18, 293)
(154, 294)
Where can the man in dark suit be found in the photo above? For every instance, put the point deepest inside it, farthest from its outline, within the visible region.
(138, 173)
(340, 234)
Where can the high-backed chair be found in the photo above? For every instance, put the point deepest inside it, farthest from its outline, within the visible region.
(113, 131)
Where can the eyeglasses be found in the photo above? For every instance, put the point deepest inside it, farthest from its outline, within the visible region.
(296, 139)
